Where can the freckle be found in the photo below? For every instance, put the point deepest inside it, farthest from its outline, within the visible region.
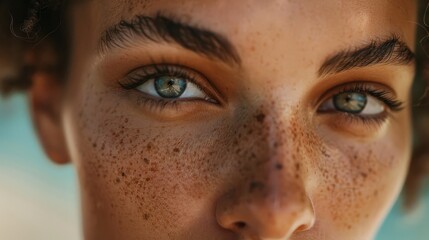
(325, 153)
(147, 179)
(297, 166)
(146, 216)
(336, 178)
(279, 166)
(176, 150)
(276, 144)
(123, 174)
(146, 160)
(149, 146)
(118, 180)
(255, 185)
(260, 117)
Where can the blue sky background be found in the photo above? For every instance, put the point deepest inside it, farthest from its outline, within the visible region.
(39, 200)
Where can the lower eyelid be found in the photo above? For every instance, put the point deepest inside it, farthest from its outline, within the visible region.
(357, 126)
(172, 110)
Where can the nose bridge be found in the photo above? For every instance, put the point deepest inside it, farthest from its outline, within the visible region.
(282, 151)
(271, 203)
(281, 173)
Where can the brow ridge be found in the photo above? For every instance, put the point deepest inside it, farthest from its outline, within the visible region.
(166, 29)
(391, 51)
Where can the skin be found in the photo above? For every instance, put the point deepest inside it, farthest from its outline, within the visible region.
(265, 164)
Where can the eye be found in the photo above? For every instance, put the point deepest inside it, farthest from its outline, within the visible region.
(172, 87)
(354, 103)
(168, 83)
(363, 100)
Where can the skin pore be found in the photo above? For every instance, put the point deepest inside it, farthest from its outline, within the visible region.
(259, 153)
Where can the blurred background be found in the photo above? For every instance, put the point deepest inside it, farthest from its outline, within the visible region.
(40, 200)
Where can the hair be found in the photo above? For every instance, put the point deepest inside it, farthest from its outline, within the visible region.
(25, 24)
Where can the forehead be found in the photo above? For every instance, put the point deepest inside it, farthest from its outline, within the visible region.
(314, 9)
(228, 17)
(299, 33)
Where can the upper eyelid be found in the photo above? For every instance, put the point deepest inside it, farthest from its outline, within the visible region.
(147, 75)
(349, 85)
(189, 77)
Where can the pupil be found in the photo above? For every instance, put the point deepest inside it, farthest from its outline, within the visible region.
(350, 102)
(170, 87)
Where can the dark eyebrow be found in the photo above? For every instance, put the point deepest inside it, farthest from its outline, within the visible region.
(163, 29)
(391, 51)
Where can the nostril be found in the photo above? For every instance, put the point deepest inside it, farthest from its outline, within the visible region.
(302, 228)
(240, 225)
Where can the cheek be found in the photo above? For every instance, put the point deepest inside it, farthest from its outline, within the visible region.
(135, 172)
(358, 181)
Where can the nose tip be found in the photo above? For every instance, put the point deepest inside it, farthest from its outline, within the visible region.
(264, 217)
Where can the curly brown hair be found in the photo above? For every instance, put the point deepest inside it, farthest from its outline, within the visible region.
(25, 24)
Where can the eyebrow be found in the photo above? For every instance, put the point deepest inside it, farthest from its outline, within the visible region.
(162, 29)
(391, 51)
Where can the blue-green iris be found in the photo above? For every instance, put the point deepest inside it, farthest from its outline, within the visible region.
(170, 87)
(350, 102)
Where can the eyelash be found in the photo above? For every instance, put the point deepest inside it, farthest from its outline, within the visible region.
(132, 82)
(385, 96)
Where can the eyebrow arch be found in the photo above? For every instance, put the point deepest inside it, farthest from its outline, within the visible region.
(391, 51)
(160, 29)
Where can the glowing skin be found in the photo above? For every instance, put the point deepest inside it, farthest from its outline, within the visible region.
(263, 163)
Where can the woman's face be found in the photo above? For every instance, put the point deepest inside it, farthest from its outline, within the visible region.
(239, 119)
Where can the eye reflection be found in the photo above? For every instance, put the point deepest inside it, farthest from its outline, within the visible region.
(170, 87)
(350, 102)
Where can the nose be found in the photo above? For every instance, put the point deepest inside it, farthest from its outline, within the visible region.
(271, 204)
(263, 211)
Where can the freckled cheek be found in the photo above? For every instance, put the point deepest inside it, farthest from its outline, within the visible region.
(361, 181)
(139, 164)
